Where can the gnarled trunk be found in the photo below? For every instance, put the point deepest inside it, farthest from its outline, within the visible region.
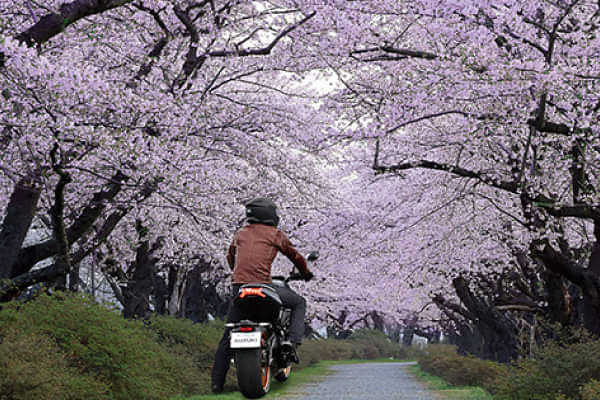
(19, 216)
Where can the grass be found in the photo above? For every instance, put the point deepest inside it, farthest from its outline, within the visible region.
(446, 391)
(298, 377)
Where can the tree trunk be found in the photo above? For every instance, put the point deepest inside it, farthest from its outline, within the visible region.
(559, 300)
(407, 335)
(193, 302)
(461, 332)
(139, 289)
(378, 321)
(591, 306)
(408, 332)
(30, 255)
(588, 279)
(500, 341)
(160, 295)
(63, 250)
(19, 216)
(74, 278)
(176, 287)
(200, 298)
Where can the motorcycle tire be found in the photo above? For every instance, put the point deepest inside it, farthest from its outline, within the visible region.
(253, 373)
(283, 374)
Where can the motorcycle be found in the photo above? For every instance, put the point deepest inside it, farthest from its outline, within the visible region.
(256, 340)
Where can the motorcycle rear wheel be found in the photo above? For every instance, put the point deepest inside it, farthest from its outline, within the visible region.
(283, 374)
(253, 373)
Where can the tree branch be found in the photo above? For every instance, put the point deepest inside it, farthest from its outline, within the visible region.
(264, 50)
(550, 206)
(454, 169)
(435, 115)
(147, 67)
(559, 264)
(520, 307)
(192, 61)
(403, 53)
(577, 211)
(30, 255)
(52, 24)
(442, 303)
(111, 222)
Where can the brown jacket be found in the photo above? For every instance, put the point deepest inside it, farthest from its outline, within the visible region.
(253, 250)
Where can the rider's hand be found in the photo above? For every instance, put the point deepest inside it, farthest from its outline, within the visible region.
(308, 277)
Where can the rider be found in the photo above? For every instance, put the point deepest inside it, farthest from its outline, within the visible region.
(250, 255)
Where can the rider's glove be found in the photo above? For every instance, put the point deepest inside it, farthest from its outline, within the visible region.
(308, 277)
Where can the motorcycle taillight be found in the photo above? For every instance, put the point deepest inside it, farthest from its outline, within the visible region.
(246, 329)
(251, 291)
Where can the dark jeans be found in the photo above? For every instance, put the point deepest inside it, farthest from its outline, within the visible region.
(289, 298)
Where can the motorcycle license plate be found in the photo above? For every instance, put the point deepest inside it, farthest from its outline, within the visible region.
(245, 340)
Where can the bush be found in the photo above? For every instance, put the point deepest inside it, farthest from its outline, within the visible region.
(196, 343)
(458, 370)
(370, 344)
(109, 351)
(364, 344)
(313, 351)
(34, 367)
(555, 371)
(591, 390)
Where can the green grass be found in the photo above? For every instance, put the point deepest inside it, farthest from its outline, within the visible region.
(313, 373)
(447, 391)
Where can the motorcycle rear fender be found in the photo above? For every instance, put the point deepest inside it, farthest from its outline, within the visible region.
(259, 289)
(258, 302)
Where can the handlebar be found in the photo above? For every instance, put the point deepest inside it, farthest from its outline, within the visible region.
(294, 276)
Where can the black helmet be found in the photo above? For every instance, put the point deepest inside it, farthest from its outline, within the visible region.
(263, 211)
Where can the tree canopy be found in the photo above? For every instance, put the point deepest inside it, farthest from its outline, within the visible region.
(442, 155)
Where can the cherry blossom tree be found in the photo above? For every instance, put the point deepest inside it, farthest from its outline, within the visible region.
(442, 155)
(154, 121)
(499, 96)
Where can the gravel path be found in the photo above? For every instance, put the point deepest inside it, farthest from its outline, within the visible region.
(369, 381)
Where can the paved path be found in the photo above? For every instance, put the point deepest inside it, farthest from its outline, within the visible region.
(368, 381)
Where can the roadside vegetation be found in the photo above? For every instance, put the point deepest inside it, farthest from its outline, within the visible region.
(447, 391)
(69, 346)
(556, 371)
(72, 347)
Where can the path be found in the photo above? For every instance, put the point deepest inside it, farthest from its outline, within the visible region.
(367, 381)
